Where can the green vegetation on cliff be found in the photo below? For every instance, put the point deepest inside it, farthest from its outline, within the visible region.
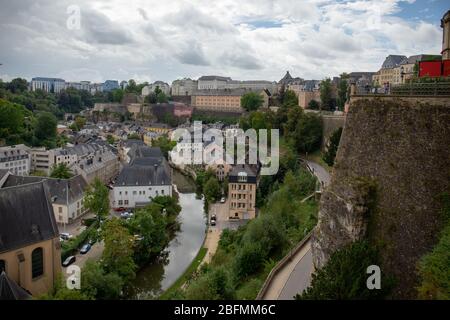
(434, 268)
(345, 274)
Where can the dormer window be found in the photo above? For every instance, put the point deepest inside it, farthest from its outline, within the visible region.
(242, 177)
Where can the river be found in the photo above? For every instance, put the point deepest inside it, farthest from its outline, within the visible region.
(159, 275)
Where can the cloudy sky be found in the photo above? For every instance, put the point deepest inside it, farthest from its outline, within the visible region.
(164, 40)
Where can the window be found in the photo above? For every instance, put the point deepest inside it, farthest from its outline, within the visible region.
(126, 201)
(120, 202)
(134, 192)
(2, 265)
(60, 209)
(37, 263)
(162, 192)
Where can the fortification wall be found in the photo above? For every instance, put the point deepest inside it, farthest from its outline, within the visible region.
(392, 164)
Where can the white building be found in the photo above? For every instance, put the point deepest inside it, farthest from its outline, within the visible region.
(16, 159)
(142, 180)
(54, 85)
(164, 87)
(184, 87)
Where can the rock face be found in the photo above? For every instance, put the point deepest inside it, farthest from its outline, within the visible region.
(392, 164)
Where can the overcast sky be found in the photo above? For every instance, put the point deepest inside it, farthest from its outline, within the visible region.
(165, 40)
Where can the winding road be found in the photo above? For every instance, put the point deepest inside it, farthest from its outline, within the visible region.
(294, 274)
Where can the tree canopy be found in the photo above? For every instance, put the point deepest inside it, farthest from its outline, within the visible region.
(251, 101)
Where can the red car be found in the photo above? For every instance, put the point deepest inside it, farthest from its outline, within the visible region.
(121, 209)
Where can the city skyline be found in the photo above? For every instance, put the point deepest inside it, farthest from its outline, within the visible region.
(148, 41)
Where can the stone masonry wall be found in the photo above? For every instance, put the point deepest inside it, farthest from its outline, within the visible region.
(401, 149)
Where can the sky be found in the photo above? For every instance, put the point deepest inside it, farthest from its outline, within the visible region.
(150, 40)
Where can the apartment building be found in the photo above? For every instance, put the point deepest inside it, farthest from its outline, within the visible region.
(225, 100)
(54, 85)
(45, 160)
(242, 184)
(16, 159)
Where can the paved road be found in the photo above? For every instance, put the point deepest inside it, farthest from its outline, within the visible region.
(299, 279)
(94, 254)
(320, 172)
(293, 277)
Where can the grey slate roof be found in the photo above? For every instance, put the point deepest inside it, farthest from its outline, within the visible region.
(143, 151)
(211, 78)
(143, 175)
(60, 190)
(9, 290)
(393, 61)
(248, 169)
(26, 216)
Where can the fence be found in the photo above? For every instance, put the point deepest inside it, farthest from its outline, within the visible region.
(422, 89)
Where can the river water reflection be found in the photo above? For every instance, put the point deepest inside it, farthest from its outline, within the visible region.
(159, 275)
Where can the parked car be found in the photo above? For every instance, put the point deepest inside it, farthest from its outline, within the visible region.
(213, 222)
(120, 209)
(85, 249)
(69, 261)
(125, 215)
(213, 217)
(222, 200)
(65, 236)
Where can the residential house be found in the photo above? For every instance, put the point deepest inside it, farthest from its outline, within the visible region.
(242, 184)
(16, 159)
(146, 177)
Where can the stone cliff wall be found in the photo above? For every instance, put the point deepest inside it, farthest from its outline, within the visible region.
(392, 164)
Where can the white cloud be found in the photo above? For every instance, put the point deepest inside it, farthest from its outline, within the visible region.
(258, 39)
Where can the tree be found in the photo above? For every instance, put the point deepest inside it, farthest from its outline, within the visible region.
(164, 144)
(249, 258)
(61, 171)
(45, 128)
(99, 284)
(11, 118)
(97, 199)
(17, 85)
(151, 98)
(313, 105)
(118, 252)
(212, 189)
(342, 91)
(325, 94)
(161, 97)
(150, 224)
(332, 146)
(290, 99)
(345, 274)
(251, 101)
(110, 139)
(308, 133)
(80, 122)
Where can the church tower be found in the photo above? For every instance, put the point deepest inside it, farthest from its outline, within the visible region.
(445, 24)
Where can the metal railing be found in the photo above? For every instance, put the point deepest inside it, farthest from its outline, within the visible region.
(422, 89)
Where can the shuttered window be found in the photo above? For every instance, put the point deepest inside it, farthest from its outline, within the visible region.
(37, 262)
